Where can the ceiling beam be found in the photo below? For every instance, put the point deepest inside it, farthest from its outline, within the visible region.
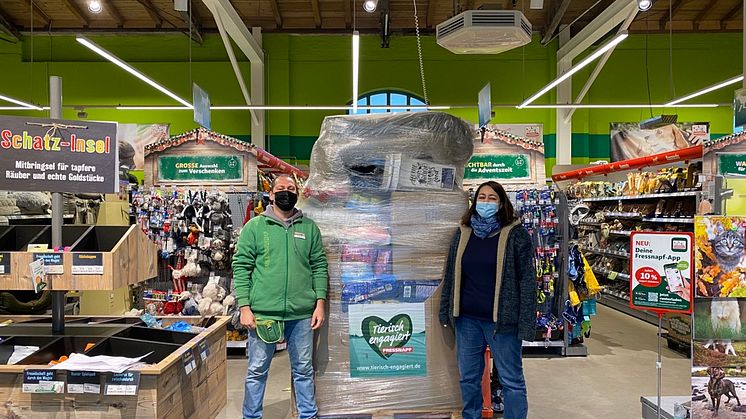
(556, 20)
(316, 13)
(40, 14)
(705, 12)
(77, 12)
(276, 13)
(114, 12)
(152, 11)
(674, 9)
(348, 14)
(8, 28)
(731, 14)
(194, 27)
(431, 5)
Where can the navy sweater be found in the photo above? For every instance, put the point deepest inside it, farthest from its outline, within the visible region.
(478, 270)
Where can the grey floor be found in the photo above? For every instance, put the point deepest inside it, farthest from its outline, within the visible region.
(606, 384)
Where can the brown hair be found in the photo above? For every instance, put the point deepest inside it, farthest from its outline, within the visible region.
(506, 213)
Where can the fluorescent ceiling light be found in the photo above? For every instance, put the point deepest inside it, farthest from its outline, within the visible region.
(24, 105)
(626, 106)
(370, 5)
(644, 5)
(589, 59)
(355, 68)
(282, 108)
(712, 88)
(128, 68)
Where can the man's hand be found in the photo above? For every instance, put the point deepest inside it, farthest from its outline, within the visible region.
(247, 318)
(319, 315)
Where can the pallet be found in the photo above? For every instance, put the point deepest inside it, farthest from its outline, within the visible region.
(397, 414)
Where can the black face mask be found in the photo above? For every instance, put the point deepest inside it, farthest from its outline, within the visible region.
(285, 200)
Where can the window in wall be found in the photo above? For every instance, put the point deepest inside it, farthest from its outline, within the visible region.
(391, 98)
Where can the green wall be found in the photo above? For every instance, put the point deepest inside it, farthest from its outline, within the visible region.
(315, 70)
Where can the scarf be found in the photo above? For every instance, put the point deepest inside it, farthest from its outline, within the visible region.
(483, 227)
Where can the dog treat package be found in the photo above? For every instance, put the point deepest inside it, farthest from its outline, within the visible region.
(386, 192)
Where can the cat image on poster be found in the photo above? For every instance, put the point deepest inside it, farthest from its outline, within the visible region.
(728, 247)
(720, 256)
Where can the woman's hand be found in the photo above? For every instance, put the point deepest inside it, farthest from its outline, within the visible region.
(247, 318)
(319, 315)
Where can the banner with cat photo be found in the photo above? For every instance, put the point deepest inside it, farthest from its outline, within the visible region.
(720, 246)
(387, 340)
(629, 141)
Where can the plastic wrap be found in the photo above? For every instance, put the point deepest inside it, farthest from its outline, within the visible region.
(385, 190)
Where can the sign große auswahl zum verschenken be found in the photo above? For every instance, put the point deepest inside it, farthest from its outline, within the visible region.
(58, 155)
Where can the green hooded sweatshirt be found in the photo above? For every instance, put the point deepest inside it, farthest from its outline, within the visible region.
(280, 268)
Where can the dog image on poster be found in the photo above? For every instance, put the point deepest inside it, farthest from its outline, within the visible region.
(720, 256)
(629, 141)
(717, 393)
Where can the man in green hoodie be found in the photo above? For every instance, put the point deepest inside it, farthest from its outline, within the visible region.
(280, 273)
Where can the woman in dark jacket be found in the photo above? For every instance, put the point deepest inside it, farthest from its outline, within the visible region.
(489, 296)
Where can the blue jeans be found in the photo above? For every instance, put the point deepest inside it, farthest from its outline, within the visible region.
(472, 338)
(299, 336)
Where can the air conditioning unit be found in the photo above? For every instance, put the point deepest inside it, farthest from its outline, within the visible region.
(484, 32)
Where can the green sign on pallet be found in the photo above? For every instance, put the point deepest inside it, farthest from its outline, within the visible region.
(732, 164)
(200, 168)
(498, 166)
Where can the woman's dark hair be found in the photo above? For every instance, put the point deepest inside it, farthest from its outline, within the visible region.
(506, 213)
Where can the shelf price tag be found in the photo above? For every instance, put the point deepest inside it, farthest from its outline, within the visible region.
(4, 263)
(612, 275)
(122, 384)
(189, 363)
(204, 350)
(88, 264)
(53, 262)
(42, 381)
(83, 382)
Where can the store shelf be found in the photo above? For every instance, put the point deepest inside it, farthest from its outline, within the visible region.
(685, 220)
(631, 215)
(236, 344)
(646, 196)
(590, 223)
(16, 217)
(622, 305)
(606, 273)
(544, 344)
(605, 252)
(620, 233)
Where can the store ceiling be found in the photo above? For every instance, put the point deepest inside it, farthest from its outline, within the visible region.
(330, 16)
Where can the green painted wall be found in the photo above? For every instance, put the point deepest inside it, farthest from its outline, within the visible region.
(303, 69)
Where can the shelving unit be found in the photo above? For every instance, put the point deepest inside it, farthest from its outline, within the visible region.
(644, 196)
(598, 251)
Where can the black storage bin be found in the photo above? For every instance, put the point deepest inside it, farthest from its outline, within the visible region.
(156, 335)
(100, 239)
(8, 344)
(132, 348)
(62, 346)
(17, 238)
(70, 235)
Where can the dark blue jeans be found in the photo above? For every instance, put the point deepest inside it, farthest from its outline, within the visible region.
(472, 338)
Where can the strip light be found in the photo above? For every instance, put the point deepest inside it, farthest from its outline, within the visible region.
(284, 108)
(587, 60)
(355, 68)
(630, 106)
(128, 68)
(25, 105)
(712, 88)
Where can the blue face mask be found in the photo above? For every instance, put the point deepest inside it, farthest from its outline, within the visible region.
(486, 209)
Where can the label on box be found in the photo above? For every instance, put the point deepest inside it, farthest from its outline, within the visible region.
(124, 384)
(88, 264)
(83, 382)
(204, 350)
(41, 381)
(53, 264)
(4, 263)
(189, 363)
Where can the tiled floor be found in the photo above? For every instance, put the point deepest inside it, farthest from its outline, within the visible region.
(607, 384)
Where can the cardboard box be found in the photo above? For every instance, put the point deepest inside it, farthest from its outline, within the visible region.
(114, 213)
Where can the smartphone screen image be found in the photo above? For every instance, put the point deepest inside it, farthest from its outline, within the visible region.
(673, 276)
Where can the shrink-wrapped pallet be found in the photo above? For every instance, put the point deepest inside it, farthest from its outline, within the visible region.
(385, 190)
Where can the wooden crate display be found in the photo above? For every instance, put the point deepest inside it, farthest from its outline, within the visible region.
(165, 391)
(128, 257)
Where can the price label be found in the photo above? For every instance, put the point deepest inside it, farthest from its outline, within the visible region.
(83, 382)
(124, 384)
(204, 350)
(612, 275)
(42, 381)
(88, 264)
(4, 263)
(53, 262)
(189, 363)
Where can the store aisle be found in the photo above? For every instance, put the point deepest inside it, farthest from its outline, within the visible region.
(608, 383)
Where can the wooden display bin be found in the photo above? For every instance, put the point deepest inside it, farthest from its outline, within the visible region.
(166, 390)
(127, 255)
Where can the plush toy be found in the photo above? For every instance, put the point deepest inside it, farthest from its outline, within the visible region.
(193, 237)
(192, 269)
(32, 202)
(173, 307)
(228, 303)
